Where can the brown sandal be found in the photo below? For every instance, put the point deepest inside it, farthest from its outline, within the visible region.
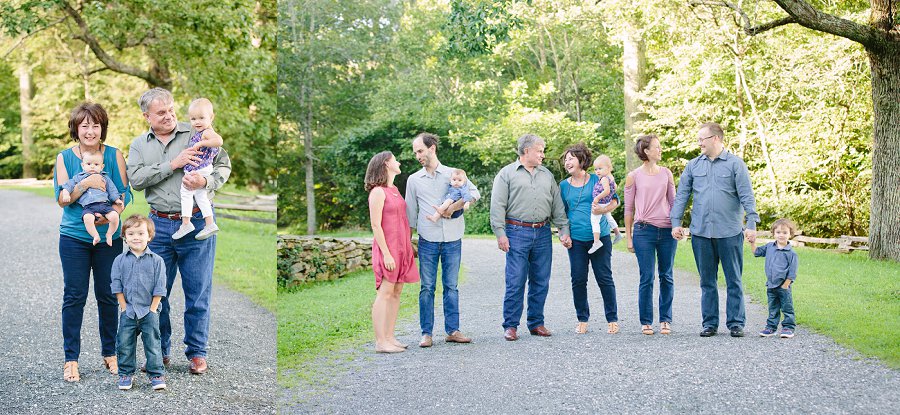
(111, 363)
(70, 372)
(581, 328)
(665, 328)
(612, 328)
(647, 329)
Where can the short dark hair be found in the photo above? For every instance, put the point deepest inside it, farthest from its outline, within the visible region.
(714, 129)
(136, 220)
(642, 143)
(93, 112)
(429, 140)
(376, 172)
(581, 153)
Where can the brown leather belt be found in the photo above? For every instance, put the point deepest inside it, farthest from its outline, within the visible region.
(527, 224)
(171, 215)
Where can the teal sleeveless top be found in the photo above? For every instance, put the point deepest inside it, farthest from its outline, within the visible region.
(72, 225)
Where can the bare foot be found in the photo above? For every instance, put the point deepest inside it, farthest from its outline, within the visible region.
(96, 239)
(397, 343)
(109, 240)
(389, 348)
(433, 218)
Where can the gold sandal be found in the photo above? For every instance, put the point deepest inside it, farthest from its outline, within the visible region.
(111, 363)
(581, 328)
(612, 328)
(665, 328)
(70, 372)
(647, 329)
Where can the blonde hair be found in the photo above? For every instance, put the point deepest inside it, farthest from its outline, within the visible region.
(136, 220)
(604, 159)
(787, 224)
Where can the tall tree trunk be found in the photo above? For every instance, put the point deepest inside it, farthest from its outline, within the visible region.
(633, 62)
(25, 94)
(306, 101)
(884, 224)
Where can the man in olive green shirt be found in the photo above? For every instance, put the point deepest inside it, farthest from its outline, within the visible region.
(155, 164)
(524, 200)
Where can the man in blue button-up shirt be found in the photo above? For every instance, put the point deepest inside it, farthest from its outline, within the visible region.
(721, 189)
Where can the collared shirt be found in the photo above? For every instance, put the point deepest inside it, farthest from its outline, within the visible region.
(140, 278)
(149, 169)
(781, 263)
(720, 188)
(424, 190)
(526, 196)
(92, 195)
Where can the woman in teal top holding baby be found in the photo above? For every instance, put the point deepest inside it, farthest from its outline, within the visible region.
(77, 251)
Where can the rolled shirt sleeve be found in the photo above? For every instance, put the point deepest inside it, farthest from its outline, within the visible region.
(412, 205)
(159, 289)
(116, 275)
(499, 203)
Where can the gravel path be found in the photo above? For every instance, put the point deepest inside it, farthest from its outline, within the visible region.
(241, 378)
(598, 372)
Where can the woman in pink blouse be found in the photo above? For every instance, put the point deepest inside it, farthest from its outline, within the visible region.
(649, 194)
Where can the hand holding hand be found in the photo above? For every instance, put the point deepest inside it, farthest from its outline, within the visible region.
(503, 243)
(678, 233)
(750, 234)
(566, 241)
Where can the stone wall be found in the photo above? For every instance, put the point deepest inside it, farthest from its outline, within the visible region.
(303, 259)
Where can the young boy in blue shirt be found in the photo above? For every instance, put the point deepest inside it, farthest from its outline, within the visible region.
(781, 272)
(139, 283)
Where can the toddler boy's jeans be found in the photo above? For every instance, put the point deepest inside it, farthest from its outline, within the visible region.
(126, 344)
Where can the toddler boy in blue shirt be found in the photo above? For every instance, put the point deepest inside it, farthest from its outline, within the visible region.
(94, 201)
(139, 283)
(781, 272)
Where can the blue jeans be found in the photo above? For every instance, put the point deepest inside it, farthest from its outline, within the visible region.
(448, 253)
(148, 327)
(78, 259)
(652, 244)
(194, 259)
(708, 253)
(601, 262)
(780, 301)
(529, 258)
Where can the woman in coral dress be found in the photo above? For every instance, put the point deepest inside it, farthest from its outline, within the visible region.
(392, 253)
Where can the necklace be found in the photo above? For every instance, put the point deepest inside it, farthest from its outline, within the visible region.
(580, 192)
(80, 152)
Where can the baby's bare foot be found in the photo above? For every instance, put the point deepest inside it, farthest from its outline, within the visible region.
(96, 240)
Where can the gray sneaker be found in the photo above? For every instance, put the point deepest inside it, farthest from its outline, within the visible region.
(183, 230)
(206, 232)
(617, 238)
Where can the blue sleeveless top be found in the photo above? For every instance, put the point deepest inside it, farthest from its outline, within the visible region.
(72, 225)
(577, 201)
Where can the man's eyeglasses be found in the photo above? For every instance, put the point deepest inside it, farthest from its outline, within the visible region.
(702, 139)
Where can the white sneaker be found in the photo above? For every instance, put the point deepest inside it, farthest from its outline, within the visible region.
(597, 245)
(617, 238)
(206, 232)
(185, 229)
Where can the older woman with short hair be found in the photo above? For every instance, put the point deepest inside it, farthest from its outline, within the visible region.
(79, 256)
(577, 198)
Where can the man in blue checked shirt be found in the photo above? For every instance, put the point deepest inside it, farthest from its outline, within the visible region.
(723, 199)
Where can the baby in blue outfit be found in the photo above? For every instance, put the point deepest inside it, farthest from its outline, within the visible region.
(94, 200)
(458, 189)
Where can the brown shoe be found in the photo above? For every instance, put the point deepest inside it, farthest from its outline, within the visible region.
(426, 341)
(540, 331)
(457, 337)
(165, 364)
(510, 334)
(198, 365)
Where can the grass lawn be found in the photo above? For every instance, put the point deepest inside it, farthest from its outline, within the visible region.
(245, 251)
(854, 300)
(322, 319)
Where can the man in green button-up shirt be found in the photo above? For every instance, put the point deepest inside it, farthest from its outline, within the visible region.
(155, 164)
(524, 200)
